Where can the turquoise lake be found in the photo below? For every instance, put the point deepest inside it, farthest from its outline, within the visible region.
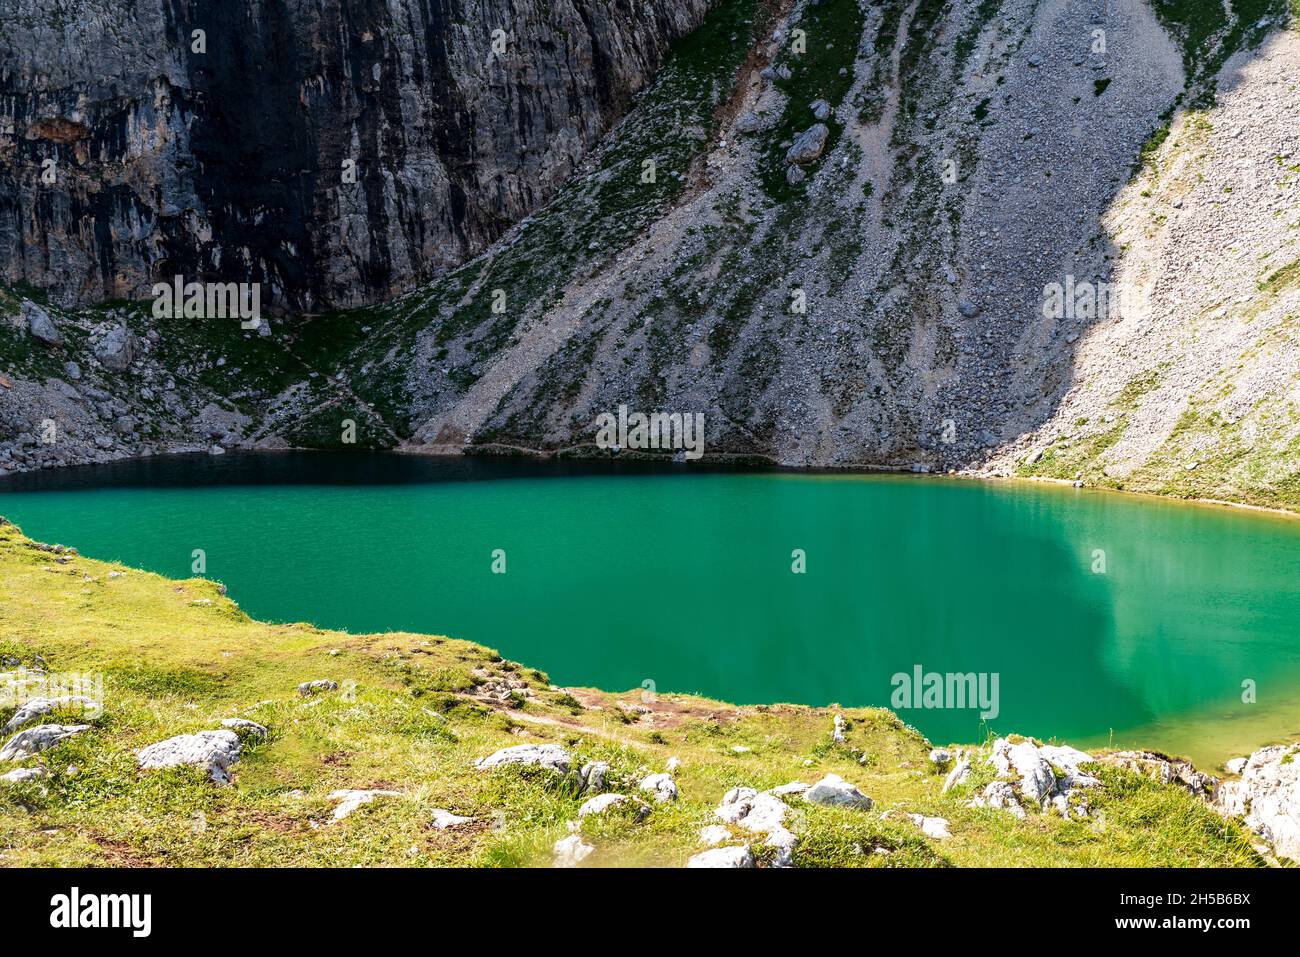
(1107, 619)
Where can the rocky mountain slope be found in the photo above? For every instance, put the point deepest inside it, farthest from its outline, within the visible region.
(834, 229)
(239, 743)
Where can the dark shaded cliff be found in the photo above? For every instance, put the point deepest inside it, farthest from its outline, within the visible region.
(222, 156)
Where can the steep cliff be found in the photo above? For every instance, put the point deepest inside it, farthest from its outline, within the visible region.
(212, 139)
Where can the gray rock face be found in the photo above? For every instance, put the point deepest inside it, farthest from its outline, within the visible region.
(40, 325)
(116, 351)
(214, 751)
(809, 144)
(1268, 797)
(450, 138)
(24, 744)
(538, 755)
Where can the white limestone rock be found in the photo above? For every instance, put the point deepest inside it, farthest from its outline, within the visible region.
(32, 741)
(593, 776)
(834, 791)
(350, 799)
(661, 787)
(550, 756)
(1022, 760)
(24, 775)
(935, 827)
(723, 857)
(602, 803)
(1267, 797)
(571, 851)
(959, 774)
(36, 707)
(444, 820)
(1000, 795)
(248, 727)
(214, 751)
(714, 834)
(308, 688)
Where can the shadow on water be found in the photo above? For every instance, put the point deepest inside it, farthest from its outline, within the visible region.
(328, 468)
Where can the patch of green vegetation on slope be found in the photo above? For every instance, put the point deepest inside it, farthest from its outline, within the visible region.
(824, 71)
(178, 657)
(1209, 36)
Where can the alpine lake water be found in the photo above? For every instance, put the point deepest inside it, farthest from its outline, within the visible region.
(1099, 619)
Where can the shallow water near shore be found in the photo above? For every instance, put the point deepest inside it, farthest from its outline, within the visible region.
(1108, 619)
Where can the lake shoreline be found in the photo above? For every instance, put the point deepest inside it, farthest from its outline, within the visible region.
(711, 462)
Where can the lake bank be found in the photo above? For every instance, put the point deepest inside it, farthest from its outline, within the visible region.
(616, 574)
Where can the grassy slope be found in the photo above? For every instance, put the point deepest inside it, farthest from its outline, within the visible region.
(178, 657)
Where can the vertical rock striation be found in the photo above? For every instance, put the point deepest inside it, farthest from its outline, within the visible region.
(221, 156)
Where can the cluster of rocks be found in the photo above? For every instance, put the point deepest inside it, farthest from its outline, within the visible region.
(1029, 774)
(1266, 796)
(115, 398)
(592, 779)
(501, 688)
(765, 813)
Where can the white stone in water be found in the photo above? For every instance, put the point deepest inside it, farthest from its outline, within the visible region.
(723, 857)
(1236, 765)
(349, 799)
(834, 791)
(540, 755)
(571, 851)
(24, 744)
(213, 751)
